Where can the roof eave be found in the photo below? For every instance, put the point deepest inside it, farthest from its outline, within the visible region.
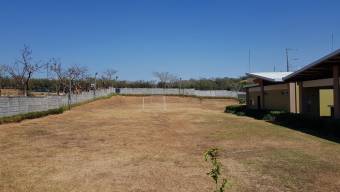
(313, 64)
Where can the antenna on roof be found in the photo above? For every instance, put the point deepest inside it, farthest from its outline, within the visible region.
(287, 60)
(288, 65)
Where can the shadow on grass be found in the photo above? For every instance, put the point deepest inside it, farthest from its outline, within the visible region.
(323, 132)
(326, 128)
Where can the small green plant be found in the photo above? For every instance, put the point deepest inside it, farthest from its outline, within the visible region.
(242, 100)
(215, 172)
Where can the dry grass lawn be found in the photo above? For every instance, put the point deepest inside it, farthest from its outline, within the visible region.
(115, 145)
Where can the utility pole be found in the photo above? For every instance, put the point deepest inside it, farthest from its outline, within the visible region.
(287, 60)
(288, 64)
(69, 93)
(180, 85)
(47, 76)
(95, 85)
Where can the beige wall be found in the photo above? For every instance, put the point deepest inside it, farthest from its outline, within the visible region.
(253, 99)
(277, 100)
(276, 97)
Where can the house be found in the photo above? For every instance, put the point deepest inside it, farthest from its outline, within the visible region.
(313, 90)
(270, 91)
(318, 85)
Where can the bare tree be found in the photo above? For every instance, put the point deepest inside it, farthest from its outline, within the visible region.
(108, 75)
(23, 69)
(2, 75)
(61, 74)
(165, 77)
(173, 79)
(75, 74)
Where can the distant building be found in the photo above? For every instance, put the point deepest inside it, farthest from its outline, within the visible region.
(313, 90)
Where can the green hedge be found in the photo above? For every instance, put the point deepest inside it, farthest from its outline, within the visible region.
(325, 126)
(31, 115)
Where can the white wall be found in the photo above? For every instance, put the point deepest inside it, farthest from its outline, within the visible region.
(17, 105)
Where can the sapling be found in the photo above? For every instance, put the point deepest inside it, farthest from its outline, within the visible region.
(215, 172)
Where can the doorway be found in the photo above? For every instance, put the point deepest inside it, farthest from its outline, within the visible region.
(326, 102)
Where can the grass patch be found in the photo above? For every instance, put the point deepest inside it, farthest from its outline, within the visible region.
(91, 100)
(180, 95)
(38, 114)
(293, 169)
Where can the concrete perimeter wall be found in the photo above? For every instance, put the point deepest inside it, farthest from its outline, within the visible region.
(187, 92)
(17, 105)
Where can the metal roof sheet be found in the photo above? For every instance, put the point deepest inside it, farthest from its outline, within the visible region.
(270, 76)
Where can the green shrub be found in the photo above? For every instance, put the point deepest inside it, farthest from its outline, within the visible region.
(31, 115)
(319, 125)
(235, 108)
(240, 113)
(269, 117)
(242, 100)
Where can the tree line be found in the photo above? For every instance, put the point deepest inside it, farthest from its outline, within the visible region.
(60, 79)
(22, 75)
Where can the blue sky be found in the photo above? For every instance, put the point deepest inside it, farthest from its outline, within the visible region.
(190, 38)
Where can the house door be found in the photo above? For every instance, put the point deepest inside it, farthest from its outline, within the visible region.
(326, 102)
(258, 102)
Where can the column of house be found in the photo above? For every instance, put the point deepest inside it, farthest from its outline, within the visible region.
(262, 95)
(292, 97)
(300, 85)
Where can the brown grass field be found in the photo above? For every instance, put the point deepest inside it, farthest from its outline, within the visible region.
(115, 145)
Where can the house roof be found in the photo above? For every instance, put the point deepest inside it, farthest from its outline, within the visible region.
(317, 69)
(270, 76)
